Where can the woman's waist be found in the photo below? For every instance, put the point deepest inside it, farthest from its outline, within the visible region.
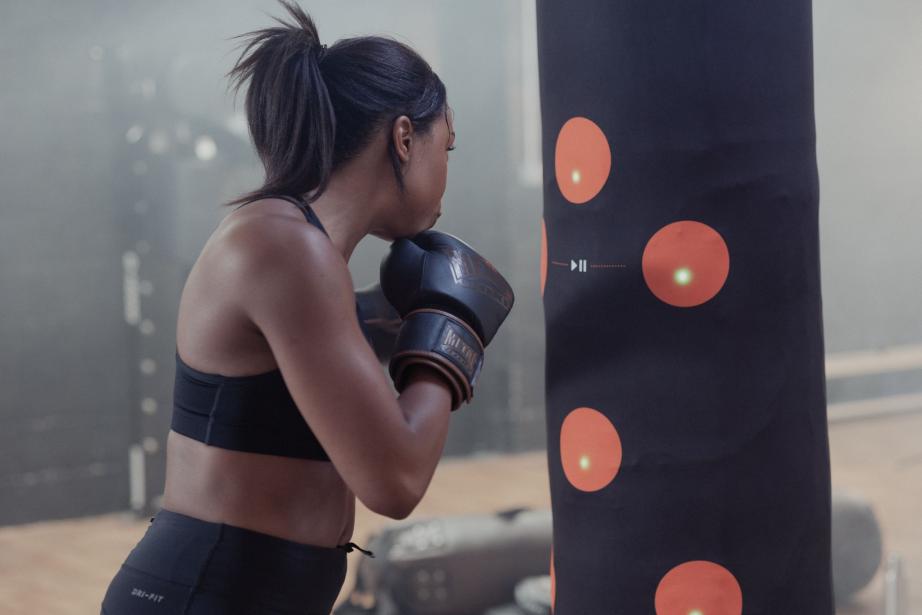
(313, 529)
(299, 500)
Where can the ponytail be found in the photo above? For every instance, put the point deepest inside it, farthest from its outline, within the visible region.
(288, 108)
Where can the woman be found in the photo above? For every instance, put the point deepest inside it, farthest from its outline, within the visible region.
(282, 414)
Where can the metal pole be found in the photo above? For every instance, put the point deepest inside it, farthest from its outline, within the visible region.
(894, 586)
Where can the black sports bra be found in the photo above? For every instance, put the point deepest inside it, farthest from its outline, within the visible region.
(244, 413)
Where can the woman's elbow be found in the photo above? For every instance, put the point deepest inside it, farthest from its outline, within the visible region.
(399, 511)
(396, 502)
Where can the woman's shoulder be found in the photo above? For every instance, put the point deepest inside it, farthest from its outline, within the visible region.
(272, 232)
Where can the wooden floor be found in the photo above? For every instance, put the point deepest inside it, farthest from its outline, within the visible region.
(64, 567)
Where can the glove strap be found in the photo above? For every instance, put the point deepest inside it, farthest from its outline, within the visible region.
(444, 342)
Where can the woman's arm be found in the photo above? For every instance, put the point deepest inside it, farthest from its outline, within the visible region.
(296, 288)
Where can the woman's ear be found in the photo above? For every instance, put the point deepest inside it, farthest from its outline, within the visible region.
(402, 136)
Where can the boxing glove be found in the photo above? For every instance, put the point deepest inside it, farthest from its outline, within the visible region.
(451, 300)
(379, 320)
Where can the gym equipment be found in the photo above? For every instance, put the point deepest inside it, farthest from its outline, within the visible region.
(458, 565)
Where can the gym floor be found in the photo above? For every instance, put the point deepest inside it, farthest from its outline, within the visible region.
(64, 567)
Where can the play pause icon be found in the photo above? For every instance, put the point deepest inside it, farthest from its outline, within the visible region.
(579, 265)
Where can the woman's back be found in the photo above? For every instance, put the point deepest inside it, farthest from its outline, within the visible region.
(302, 500)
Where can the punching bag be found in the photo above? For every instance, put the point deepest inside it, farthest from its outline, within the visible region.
(686, 413)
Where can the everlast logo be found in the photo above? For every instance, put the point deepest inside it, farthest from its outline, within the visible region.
(455, 346)
(471, 271)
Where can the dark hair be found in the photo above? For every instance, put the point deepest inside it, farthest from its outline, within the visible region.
(310, 109)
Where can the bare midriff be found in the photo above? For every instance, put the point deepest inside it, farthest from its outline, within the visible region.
(301, 500)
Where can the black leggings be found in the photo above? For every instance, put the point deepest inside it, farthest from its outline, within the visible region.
(184, 565)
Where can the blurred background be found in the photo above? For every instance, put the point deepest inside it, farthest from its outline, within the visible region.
(120, 142)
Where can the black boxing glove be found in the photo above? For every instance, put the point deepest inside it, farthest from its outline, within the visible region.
(452, 301)
(379, 320)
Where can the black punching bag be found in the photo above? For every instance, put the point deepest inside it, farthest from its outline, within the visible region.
(687, 436)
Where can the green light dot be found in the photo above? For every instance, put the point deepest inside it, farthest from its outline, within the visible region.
(696, 612)
(584, 462)
(683, 277)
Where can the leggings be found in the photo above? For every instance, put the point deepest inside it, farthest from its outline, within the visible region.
(185, 565)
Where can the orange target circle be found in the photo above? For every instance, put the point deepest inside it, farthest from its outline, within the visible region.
(699, 588)
(590, 449)
(582, 160)
(686, 263)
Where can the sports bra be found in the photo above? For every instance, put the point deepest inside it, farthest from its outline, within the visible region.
(245, 413)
